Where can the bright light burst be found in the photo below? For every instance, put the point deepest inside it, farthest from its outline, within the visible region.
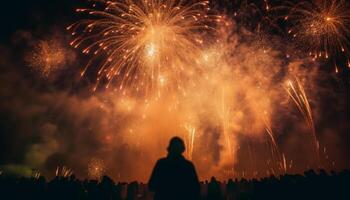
(320, 26)
(137, 43)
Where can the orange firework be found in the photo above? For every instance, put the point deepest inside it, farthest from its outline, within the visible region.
(321, 27)
(96, 168)
(47, 57)
(140, 44)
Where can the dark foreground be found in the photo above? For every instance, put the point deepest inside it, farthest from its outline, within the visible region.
(309, 186)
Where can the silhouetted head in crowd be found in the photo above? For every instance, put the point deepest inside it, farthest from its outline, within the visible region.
(176, 146)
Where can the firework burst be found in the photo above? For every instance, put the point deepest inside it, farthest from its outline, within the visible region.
(96, 168)
(320, 27)
(141, 44)
(47, 57)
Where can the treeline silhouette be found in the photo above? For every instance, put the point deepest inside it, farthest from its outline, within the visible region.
(310, 185)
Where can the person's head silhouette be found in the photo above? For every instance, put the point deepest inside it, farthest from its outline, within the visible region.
(176, 146)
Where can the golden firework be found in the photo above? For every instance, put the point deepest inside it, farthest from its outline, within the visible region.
(138, 43)
(47, 57)
(96, 168)
(321, 27)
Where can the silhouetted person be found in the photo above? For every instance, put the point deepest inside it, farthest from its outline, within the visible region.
(230, 190)
(214, 190)
(132, 191)
(174, 177)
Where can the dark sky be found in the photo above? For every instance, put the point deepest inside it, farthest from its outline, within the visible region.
(35, 14)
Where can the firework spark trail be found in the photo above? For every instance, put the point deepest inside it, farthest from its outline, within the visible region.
(35, 174)
(63, 172)
(275, 151)
(298, 95)
(320, 27)
(225, 120)
(190, 138)
(284, 164)
(142, 42)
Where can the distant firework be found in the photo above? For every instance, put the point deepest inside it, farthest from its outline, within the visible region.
(144, 45)
(47, 57)
(321, 27)
(96, 168)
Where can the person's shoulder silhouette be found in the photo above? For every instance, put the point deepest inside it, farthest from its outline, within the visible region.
(174, 177)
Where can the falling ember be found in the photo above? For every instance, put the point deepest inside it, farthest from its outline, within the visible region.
(96, 168)
(266, 5)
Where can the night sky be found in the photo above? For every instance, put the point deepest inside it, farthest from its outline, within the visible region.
(49, 122)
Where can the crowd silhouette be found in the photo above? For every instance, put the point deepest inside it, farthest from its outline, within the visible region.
(175, 178)
(310, 185)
